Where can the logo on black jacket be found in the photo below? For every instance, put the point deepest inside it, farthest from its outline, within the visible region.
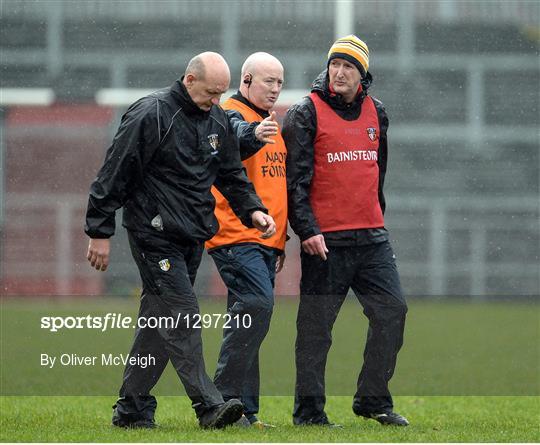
(372, 133)
(213, 139)
(164, 265)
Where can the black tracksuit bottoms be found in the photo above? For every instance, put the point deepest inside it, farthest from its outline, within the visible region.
(370, 270)
(167, 270)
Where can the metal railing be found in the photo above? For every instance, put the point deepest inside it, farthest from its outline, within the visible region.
(427, 223)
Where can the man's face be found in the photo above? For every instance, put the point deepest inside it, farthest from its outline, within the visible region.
(266, 84)
(344, 78)
(206, 92)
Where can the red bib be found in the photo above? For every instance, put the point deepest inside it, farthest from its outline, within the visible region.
(345, 184)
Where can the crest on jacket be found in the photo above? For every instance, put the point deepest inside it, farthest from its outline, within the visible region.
(372, 133)
(213, 139)
(164, 265)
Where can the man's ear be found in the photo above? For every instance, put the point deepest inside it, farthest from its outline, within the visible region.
(190, 80)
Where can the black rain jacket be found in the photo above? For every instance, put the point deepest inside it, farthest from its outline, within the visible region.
(299, 131)
(161, 165)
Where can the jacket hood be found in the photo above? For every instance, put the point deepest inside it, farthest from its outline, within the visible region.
(321, 86)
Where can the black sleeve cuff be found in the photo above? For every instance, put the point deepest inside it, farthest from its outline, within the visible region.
(305, 234)
(246, 218)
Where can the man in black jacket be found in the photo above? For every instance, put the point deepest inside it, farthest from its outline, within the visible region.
(337, 152)
(170, 148)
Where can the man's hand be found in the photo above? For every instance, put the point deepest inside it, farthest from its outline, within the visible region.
(315, 245)
(280, 262)
(264, 223)
(267, 128)
(98, 253)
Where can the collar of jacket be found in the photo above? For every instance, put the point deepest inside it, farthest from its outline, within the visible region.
(238, 96)
(181, 94)
(321, 87)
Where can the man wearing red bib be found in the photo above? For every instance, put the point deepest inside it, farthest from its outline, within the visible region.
(337, 152)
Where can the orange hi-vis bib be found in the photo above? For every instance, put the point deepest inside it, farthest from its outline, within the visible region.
(345, 185)
(266, 170)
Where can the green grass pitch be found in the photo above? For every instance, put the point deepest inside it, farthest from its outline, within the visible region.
(433, 419)
(467, 372)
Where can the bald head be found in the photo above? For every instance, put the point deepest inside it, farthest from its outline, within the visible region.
(261, 79)
(206, 78)
(195, 67)
(260, 61)
(209, 63)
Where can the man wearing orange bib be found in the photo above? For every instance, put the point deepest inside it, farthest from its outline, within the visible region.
(337, 144)
(246, 262)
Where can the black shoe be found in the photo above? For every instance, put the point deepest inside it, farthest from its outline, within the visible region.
(222, 415)
(387, 418)
(121, 422)
(243, 422)
(317, 422)
(252, 422)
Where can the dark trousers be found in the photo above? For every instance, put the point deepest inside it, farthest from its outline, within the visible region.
(248, 271)
(371, 272)
(166, 293)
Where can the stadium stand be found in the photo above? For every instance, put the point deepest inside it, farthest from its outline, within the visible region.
(460, 81)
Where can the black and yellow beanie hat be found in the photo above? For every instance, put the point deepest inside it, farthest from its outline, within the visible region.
(352, 49)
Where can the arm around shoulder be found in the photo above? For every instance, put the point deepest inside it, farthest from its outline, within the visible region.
(245, 132)
(234, 184)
